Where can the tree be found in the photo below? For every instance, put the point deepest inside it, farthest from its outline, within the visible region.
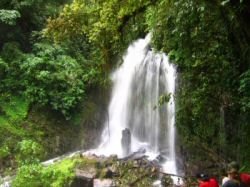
(53, 78)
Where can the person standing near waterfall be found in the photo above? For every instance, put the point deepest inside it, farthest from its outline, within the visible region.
(234, 178)
(205, 181)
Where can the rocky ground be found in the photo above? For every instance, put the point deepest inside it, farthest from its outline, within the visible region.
(133, 171)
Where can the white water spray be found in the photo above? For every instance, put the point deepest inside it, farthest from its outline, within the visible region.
(138, 84)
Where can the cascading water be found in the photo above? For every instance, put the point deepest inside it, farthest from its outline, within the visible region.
(138, 84)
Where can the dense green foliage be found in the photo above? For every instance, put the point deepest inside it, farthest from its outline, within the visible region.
(109, 25)
(51, 77)
(12, 113)
(57, 175)
(17, 21)
(9, 16)
(47, 74)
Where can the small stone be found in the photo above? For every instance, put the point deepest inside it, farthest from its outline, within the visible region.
(136, 164)
(103, 183)
(113, 157)
(86, 174)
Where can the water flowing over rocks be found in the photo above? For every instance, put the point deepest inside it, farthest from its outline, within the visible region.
(141, 113)
(139, 129)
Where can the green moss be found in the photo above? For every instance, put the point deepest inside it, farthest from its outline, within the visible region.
(13, 110)
(61, 173)
(8, 127)
(76, 119)
(16, 108)
(56, 175)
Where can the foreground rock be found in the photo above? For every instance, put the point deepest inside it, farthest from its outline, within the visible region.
(84, 177)
(134, 170)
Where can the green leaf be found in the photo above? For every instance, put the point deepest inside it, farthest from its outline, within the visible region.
(9, 16)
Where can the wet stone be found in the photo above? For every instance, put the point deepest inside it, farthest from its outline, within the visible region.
(103, 183)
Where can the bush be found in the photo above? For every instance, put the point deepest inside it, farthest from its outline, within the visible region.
(56, 175)
(52, 78)
(29, 152)
(29, 176)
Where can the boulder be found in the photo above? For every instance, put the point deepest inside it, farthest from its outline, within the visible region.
(84, 177)
(87, 173)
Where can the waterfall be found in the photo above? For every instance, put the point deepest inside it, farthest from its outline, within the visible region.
(137, 86)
